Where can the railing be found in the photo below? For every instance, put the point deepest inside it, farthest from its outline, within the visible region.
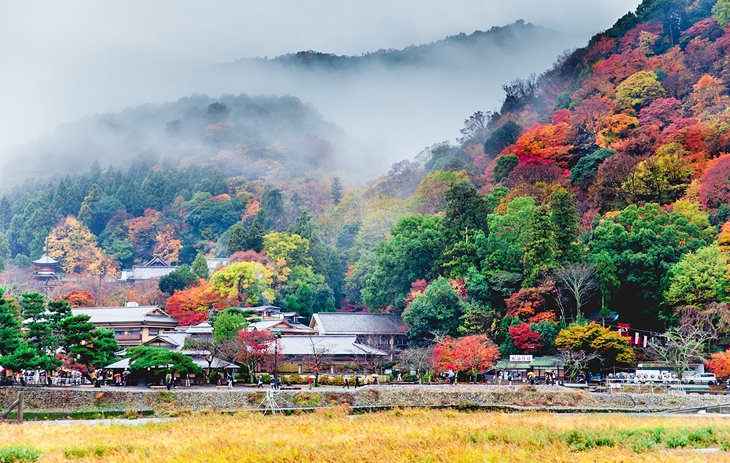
(129, 337)
(19, 404)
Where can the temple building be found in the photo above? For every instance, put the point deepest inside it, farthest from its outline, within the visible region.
(47, 270)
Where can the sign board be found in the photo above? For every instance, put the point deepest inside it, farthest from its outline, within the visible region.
(520, 358)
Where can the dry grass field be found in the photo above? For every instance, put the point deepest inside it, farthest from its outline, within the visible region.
(392, 436)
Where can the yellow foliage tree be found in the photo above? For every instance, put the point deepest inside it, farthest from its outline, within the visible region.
(74, 246)
(287, 250)
(249, 281)
(167, 245)
(638, 90)
(610, 346)
(614, 127)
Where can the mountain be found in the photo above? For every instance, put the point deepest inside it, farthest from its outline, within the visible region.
(462, 50)
(399, 101)
(249, 136)
(599, 186)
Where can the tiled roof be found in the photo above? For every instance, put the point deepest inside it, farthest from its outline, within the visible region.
(357, 323)
(45, 259)
(125, 314)
(327, 345)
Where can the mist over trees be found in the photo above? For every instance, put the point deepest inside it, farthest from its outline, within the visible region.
(597, 190)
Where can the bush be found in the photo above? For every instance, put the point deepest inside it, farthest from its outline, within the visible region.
(18, 454)
(306, 399)
(676, 440)
(583, 440)
(297, 379)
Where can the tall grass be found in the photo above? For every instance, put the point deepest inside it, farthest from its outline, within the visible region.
(392, 436)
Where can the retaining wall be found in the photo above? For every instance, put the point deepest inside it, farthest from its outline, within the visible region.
(39, 398)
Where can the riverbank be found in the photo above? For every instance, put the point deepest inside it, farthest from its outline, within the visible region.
(334, 435)
(551, 398)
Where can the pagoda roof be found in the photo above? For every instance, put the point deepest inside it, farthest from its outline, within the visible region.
(45, 259)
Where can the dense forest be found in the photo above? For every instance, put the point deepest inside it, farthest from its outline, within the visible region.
(600, 188)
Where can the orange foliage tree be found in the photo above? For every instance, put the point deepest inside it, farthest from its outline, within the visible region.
(167, 245)
(708, 97)
(524, 303)
(551, 142)
(192, 305)
(470, 354)
(719, 363)
(79, 298)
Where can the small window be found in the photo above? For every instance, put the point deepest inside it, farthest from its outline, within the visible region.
(154, 332)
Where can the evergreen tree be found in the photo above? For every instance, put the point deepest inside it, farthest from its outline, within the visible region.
(565, 223)
(9, 327)
(539, 248)
(200, 266)
(39, 332)
(336, 191)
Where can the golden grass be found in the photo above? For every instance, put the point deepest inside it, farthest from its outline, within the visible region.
(392, 436)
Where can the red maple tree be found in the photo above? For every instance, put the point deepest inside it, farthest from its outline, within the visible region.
(719, 363)
(526, 340)
(471, 354)
(79, 298)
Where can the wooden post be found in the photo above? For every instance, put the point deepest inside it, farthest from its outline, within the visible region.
(20, 406)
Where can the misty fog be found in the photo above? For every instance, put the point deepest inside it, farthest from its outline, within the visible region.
(64, 61)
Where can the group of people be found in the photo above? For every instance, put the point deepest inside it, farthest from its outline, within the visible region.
(346, 384)
(45, 378)
(274, 382)
(108, 377)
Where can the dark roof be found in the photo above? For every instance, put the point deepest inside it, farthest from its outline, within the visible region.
(357, 323)
(157, 261)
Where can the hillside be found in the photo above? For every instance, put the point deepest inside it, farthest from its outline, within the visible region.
(249, 136)
(397, 101)
(462, 50)
(600, 188)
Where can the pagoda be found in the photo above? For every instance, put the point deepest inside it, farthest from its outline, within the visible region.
(46, 269)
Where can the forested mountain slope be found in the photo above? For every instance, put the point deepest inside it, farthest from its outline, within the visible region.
(603, 185)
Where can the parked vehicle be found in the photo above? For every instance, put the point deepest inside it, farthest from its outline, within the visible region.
(701, 378)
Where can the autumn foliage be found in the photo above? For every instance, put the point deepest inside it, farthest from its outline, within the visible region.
(192, 306)
(79, 298)
(719, 363)
(525, 339)
(471, 354)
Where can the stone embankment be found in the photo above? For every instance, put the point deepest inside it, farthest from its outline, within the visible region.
(466, 396)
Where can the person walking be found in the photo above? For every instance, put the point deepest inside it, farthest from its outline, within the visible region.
(311, 381)
(168, 380)
(346, 384)
(260, 383)
(357, 381)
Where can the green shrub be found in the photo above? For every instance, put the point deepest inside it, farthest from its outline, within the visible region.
(676, 440)
(702, 437)
(583, 440)
(18, 454)
(306, 399)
